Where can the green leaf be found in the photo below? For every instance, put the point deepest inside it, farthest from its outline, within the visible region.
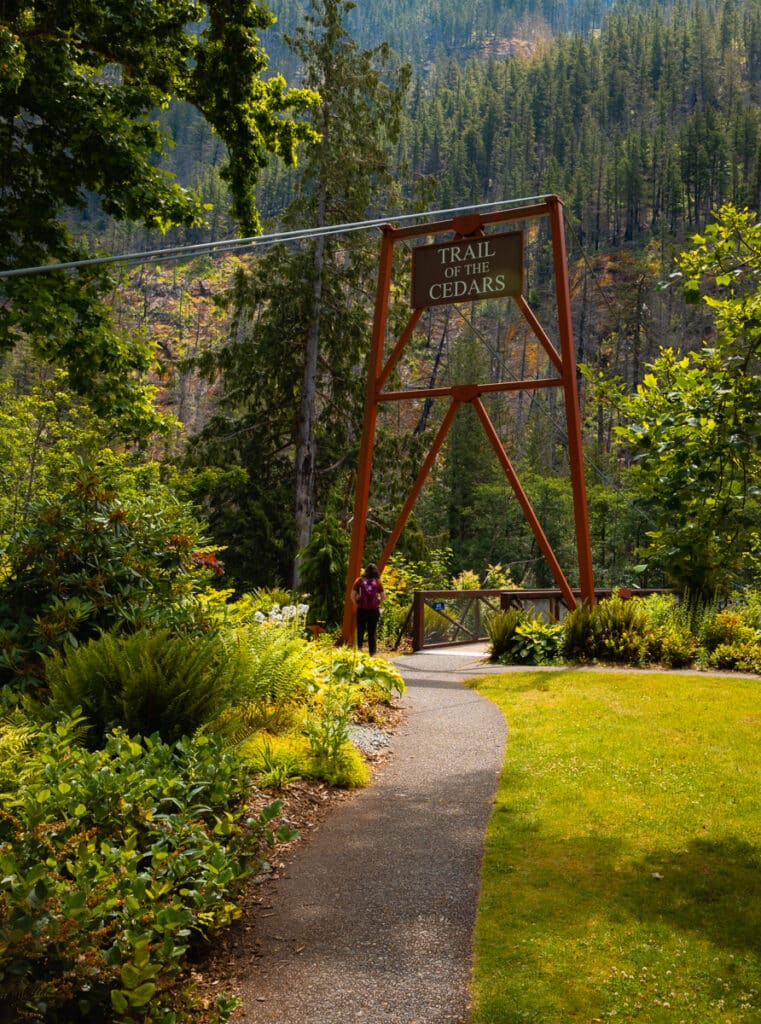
(119, 1000)
(131, 976)
(142, 995)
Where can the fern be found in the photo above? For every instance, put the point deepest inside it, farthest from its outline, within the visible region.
(148, 682)
(501, 628)
(17, 739)
(612, 630)
(274, 671)
(580, 637)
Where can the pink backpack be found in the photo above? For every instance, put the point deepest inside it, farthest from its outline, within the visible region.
(368, 593)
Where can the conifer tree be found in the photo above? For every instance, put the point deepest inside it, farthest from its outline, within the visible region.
(292, 368)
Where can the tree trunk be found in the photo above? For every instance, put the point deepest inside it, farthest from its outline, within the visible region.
(305, 444)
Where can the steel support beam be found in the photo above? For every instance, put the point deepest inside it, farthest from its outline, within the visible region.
(563, 362)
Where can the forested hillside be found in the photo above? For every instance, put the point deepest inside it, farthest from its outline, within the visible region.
(422, 31)
(644, 126)
(643, 116)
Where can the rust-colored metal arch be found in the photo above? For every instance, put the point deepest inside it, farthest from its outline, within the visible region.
(563, 362)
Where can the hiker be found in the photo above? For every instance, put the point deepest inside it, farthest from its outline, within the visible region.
(367, 595)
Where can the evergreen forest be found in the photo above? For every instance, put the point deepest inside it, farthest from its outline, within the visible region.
(644, 118)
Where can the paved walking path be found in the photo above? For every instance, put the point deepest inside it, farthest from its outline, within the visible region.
(373, 920)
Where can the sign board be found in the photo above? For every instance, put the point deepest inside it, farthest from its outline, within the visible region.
(468, 269)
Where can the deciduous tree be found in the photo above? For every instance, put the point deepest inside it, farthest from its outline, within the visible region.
(695, 421)
(80, 88)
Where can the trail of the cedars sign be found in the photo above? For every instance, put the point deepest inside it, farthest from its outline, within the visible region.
(467, 269)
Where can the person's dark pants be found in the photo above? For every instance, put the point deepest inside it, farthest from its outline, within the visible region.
(367, 622)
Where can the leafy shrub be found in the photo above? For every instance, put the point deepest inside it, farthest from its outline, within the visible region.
(673, 628)
(738, 656)
(347, 682)
(373, 678)
(535, 642)
(501, 629)
(726, 628)
(466, 580)
(725, 656)
(114, 861)
(671, 646)
(276, 760)
(113, 551)
(149, 682)
(327, 729)
(611, 630)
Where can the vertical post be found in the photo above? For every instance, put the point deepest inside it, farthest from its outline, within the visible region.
(573, 419)
(375, 366)
(418, 620)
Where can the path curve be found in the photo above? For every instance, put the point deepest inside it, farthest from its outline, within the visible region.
(373, 919)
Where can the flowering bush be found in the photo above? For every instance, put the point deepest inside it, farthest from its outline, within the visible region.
(115, 551)
(740, 656)
(727, 627)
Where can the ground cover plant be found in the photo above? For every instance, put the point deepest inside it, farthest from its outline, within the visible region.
(124, 780)
(657, 630)
(621, 877)
(114, 863)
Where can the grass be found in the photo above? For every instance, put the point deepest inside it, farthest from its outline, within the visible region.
(622, 871)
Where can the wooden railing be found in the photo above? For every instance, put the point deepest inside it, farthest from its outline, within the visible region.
(442, 618)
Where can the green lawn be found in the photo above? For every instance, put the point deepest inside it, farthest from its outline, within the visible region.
(622, 873)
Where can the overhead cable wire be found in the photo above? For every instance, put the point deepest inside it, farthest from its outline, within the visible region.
(255, 241)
